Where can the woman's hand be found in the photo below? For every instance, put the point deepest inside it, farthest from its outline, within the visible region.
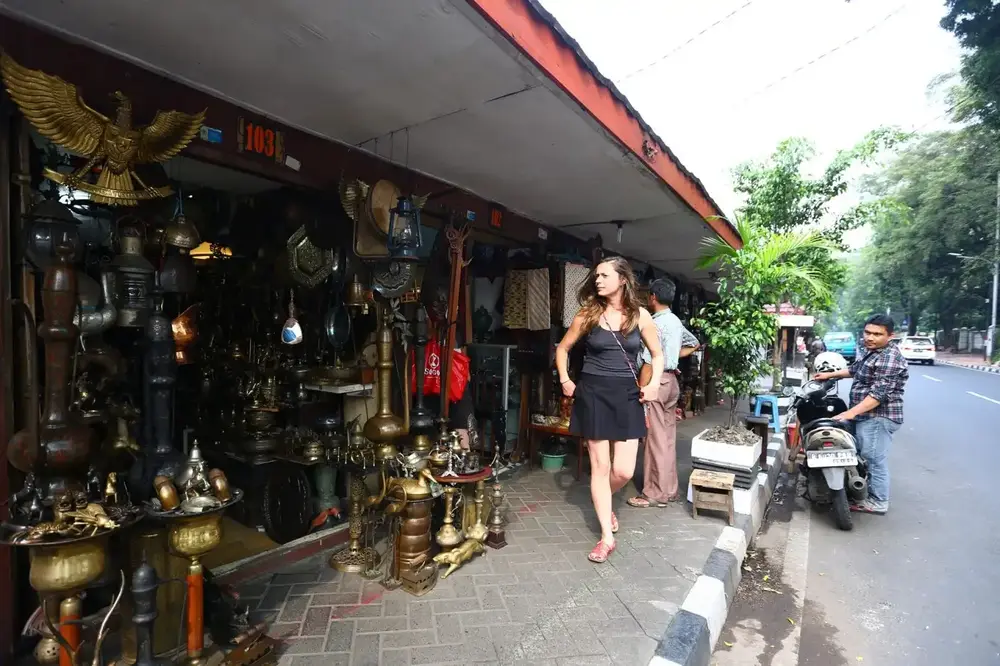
(568, 388)
(648, 393)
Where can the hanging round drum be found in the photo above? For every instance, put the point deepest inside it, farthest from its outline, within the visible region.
(286, 507)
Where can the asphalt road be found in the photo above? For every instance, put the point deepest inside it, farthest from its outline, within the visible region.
(917, 587)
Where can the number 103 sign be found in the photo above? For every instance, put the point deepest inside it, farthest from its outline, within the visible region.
(260, 139)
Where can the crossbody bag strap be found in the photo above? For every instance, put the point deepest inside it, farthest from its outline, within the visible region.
(622, 347)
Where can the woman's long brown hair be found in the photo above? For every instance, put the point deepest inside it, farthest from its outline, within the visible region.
(592, 306)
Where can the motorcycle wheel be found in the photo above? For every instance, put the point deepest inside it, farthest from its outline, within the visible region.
(842, 510)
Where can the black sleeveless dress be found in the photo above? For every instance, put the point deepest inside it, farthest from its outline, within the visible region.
(606, 403)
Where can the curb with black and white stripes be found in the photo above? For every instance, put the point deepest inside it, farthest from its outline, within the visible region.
(695, 629)
(995, 369)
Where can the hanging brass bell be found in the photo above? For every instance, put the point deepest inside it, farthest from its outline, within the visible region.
(182, 233)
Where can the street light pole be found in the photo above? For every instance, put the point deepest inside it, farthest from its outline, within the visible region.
(996, 280)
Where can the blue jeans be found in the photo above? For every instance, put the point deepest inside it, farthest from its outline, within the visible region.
(874, 436)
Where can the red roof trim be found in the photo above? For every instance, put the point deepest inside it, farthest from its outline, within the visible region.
(522, 25)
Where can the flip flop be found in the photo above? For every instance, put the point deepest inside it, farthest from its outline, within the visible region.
(614, 523)
(640, 502)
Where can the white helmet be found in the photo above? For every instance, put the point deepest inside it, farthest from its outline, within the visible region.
(830, 362)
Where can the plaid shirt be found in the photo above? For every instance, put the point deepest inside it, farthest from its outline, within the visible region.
(881, 374)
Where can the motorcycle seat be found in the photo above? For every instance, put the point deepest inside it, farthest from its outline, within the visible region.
(832, 424)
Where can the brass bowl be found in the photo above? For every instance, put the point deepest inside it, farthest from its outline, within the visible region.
(66, 569)
(193, 536)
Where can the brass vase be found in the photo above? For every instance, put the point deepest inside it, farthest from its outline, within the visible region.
(449, 536)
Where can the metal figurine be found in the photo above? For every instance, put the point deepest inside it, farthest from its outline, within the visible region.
(456, 557)
(144, 584)
(57, 110)
(160, 376)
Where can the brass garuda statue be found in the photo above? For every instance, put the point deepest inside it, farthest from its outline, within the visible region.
(59, 113)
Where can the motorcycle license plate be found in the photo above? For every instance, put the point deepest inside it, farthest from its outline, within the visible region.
(833, 458)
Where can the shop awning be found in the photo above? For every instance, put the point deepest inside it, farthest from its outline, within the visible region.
(489, 95)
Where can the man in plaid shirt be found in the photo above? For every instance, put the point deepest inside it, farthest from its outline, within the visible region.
(876, 406)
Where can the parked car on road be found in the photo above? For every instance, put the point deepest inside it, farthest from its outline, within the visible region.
(844, 343)
(918, 349)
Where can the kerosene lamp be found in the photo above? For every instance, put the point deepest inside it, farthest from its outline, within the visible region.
(405, 239)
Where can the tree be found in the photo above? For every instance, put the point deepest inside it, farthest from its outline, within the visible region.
(782, 198)
(939, 199)
(737, 327)
(976, 23)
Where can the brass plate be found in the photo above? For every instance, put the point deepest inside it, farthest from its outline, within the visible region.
(381, 200)
(307, 264)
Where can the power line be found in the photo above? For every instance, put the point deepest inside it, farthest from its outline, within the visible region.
(824, 55)
(688, 42)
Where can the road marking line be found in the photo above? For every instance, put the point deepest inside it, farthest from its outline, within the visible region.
(795, 570)
(933, 379)
(973, 393)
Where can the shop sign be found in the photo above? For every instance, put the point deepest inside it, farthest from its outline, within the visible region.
(785, 309)
(496, 217)
(260, 139)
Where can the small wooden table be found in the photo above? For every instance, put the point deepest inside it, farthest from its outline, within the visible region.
(712, 491)
(537, 429)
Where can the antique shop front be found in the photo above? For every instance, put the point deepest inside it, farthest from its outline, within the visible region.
(215, 316)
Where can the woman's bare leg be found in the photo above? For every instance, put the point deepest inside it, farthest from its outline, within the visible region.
(623, 467)
(600, 484)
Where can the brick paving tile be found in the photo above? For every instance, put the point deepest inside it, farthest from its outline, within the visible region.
(536, 601)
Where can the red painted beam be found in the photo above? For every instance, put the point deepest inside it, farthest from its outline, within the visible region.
(535, 38)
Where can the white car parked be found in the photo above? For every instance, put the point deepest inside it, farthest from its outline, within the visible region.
(918, 349)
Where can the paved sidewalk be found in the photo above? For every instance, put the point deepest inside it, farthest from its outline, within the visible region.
(537, 601)
(973, 361)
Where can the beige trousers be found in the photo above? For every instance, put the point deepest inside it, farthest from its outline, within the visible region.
(660, 461)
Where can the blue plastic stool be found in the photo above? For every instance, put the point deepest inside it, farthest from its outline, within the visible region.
(771, 400)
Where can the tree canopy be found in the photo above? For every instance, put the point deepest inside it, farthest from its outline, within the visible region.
(976, 24)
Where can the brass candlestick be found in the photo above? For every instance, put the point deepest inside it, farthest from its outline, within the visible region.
(478, 530)
(496, 537)
(355, 558)
(449, 536)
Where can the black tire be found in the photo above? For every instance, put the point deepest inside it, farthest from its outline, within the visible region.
(930, 362)
(842, 510)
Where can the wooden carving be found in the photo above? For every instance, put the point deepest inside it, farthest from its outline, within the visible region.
(115, 147)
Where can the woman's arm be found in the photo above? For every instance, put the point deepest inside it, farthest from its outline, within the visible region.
(651, 337)
(562, 354)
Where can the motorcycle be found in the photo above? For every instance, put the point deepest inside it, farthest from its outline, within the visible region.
(834, 471)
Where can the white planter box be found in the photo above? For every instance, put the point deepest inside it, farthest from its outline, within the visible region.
(724, 454)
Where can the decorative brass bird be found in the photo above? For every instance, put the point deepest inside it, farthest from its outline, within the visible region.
(58, 112)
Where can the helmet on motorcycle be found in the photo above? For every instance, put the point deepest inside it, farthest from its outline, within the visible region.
(830, 362)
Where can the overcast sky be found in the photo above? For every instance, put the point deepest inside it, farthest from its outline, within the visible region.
(733, 92)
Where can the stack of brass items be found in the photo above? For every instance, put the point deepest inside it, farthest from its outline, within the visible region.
(411, 497)
(192, 510)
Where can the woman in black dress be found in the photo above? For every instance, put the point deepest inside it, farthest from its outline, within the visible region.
(607, 409)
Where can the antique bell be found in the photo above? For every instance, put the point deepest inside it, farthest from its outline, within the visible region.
(405, 239)
(135, 281)
(50, 224)
(180, 232)
(291, 332)
(356, 295)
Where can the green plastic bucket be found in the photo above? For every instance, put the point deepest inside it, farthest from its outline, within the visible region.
(553, 462)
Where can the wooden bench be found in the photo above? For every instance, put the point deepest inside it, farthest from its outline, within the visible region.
(713, 491)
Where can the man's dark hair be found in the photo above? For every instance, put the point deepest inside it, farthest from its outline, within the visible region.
(885, 321)
(664, 290)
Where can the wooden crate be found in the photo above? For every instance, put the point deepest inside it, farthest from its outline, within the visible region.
(713, 491)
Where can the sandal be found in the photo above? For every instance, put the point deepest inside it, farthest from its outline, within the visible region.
(614, 523)
(601, 552)
(640, 502)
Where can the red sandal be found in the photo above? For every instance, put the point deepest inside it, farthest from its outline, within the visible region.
(601, 552)
(614, 523)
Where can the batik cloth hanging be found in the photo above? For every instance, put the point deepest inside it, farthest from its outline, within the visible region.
(573, 277)
(526, 300)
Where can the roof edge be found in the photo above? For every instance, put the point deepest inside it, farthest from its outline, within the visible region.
(518, 21)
